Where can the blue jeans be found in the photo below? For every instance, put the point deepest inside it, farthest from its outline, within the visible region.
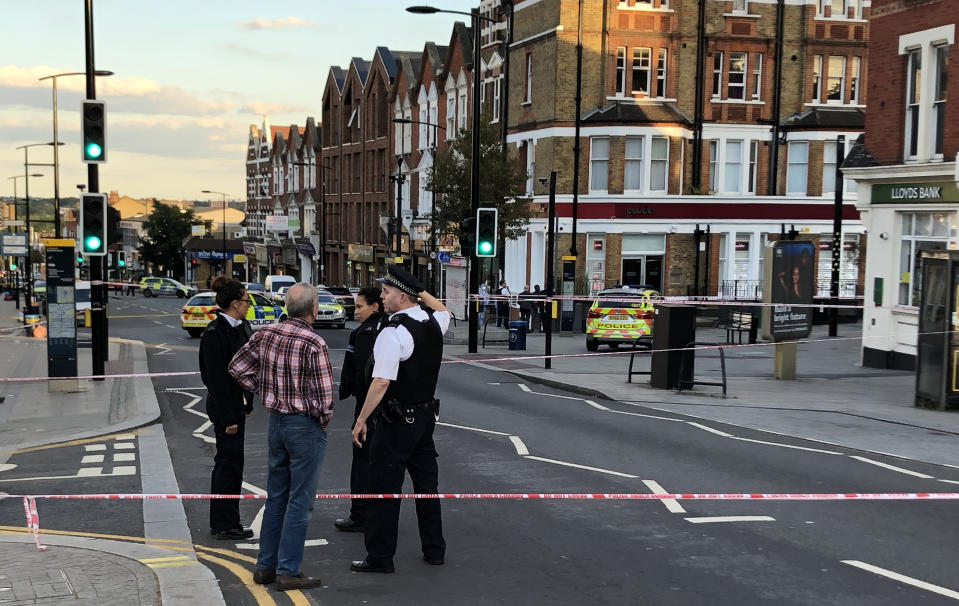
(297, 444)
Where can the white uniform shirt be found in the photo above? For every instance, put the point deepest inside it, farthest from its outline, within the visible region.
(395, 344)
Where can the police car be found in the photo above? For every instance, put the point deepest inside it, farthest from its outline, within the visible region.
(620, 315)
(202, 309)
(154, 287)
(330, 313)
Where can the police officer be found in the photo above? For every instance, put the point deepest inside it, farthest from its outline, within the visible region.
(407, 356)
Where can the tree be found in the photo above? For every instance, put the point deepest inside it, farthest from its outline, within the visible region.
(502, 183)
(164, 233)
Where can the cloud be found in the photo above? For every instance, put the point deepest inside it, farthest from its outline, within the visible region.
(286, 23)
(267, 109)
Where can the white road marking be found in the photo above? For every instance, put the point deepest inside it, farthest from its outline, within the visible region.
(124, 470)
(895, 576)
(949, 481)
(7, 466)
(307, 543)
(87, 472)
(124, 457)
(715, 519)
(125, 436)
(123, 445)
(638, 414)
(185, 389)
(892, 467)
(95, 447)
(166, 350)
(495, 383)
(709, 429)
(525, 388)
(595, 405)
(91, 459)
(806, 448)
(585, 467)
(671, 504)
(490, 431)
(519, 446)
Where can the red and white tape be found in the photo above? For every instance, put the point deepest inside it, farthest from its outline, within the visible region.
(33, 520)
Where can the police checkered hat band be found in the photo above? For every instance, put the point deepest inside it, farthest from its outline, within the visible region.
(396, 283)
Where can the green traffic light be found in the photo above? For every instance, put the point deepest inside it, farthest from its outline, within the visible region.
(486, 247)
(13, 266)
(92, 243)
(94, 150)
(121, 263)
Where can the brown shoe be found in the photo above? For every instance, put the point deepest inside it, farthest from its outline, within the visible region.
(286, 582)
(262, 576)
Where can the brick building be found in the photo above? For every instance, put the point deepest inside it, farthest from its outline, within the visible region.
(906, 167)
(682, 126)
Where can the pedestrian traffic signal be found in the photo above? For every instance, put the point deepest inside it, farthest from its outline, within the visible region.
(467, 235)
(486, 232)
(93, 224)
(93, 119)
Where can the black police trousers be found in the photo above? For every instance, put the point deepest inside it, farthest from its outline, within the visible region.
(394, 449)
(360, 471)
(227, 478)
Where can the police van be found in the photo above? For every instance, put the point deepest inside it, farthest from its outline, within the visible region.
(620, 315)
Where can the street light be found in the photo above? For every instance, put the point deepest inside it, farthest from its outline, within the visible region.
(56, 153)
(432, 201)
(475, 19)
(209, 191)
(15, 177)
(26, 202)
(322, 276)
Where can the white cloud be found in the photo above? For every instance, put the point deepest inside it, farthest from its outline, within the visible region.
(285, 23)
(269, 109)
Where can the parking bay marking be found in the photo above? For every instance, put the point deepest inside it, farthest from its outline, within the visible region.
(889, 574)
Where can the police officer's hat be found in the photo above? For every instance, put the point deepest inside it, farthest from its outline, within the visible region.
(398, 277)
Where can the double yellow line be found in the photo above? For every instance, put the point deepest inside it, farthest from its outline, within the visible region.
(242, 573)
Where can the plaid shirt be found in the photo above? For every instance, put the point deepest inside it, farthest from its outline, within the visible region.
(287, 366)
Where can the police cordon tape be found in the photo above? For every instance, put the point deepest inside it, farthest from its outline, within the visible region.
(188, 373)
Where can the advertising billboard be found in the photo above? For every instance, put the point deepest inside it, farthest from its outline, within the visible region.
(788, 284)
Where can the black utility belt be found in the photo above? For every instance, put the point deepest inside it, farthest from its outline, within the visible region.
(392, 410)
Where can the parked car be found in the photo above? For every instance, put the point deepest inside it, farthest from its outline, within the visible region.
(154, 287)
(331, 313)
(345, 298)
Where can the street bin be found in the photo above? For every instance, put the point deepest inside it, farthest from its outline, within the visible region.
(517, 335)
(674, 327)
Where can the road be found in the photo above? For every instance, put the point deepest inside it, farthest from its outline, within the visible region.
(498, 434)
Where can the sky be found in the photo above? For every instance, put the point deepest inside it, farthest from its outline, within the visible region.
(190, 78)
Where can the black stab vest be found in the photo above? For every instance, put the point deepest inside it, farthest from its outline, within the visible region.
(417, 376)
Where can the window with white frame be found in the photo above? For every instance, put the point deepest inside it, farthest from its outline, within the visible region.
(496, 88)
(530, 166)
(422, 138)
(829, 167)
(841, 9)
(757, 76)
(658, 164)
(661, 73)
(431, 137)
(408, 131)
(599, 164)
(450, 115)
(276, 180)
(854, 80)
(397, 132)
(641, 65)
(816, 78)
(913, 81)
(797, 168)
(836, 79)
(740, 6)
(621, 70)
(713, 164)
(732, 167)
(751, 169)
(461, 110)
(633, 164)
(736, 86)
(920, 231)
(528, 90)
(939, 98)
(717, 74)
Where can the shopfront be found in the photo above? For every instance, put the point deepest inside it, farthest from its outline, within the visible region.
(916, 212)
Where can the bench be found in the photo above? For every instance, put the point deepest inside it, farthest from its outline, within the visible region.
(738, 322)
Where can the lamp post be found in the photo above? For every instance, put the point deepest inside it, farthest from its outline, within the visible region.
(432, 196)
(26, 202)
(474, 176)
(56, 153)
(16, 291)
(399, 179)
(223, 227)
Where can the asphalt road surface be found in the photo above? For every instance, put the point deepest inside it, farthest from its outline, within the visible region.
(499, 435)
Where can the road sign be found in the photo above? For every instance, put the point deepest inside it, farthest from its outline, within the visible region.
(13, 245)
(14, 223)
(444, 257)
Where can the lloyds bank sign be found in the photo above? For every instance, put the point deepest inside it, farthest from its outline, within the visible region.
(915, 193)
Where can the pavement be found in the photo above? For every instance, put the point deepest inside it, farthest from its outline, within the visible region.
(161, 567)
(833, 400)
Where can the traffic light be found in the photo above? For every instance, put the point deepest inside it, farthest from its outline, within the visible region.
(93, 119)
(486, 232)
(93, 224)
(13, 266)
(467, 235)
(121, 261)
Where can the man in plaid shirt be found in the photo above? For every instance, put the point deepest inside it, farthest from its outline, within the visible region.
(287, 366)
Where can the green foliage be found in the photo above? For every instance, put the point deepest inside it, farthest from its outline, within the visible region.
(502, 183)
(164, 233)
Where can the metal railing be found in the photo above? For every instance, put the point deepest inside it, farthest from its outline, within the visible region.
(752, 290)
